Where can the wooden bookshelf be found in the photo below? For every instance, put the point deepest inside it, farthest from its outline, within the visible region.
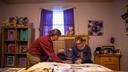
(15, 41)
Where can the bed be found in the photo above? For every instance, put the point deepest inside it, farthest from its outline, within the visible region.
(60, 67)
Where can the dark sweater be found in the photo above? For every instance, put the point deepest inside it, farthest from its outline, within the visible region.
(86, 54)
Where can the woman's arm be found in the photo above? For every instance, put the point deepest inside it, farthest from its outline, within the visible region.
(47, 47)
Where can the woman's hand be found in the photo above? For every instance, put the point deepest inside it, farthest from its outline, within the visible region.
(78, 61)
(67, 61)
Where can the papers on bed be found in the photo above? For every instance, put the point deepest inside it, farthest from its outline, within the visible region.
(50, 66)
(89, 67)
(60, 67)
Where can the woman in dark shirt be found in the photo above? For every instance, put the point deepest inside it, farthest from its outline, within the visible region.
(42, 48)
(81, 52)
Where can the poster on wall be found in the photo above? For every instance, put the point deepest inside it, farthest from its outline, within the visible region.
(95, 27)
(124, 16)
(126, 25)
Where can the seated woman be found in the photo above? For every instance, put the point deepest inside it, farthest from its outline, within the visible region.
(81, 52)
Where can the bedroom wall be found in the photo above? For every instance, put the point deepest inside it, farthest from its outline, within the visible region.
(107, 12)
(119, 8)
(83, 12)
(1, 16)
(1, 11)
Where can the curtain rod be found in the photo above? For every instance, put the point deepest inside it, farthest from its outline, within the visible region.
(59, 8)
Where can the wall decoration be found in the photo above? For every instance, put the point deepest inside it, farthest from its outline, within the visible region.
(124, 16)
(95, 28)
(112, 40)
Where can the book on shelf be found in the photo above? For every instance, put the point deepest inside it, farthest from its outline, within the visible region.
(10, 61)
(18, 35)
(22, 61)
(24, 35)
(22, 48)
(11, 48)
(11, 35)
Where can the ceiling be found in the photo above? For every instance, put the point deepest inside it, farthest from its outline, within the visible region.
(46, 1)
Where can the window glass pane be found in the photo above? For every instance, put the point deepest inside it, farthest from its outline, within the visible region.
(58, 21)
(60, 27)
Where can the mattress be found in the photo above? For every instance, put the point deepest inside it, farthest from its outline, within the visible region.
(61, 67)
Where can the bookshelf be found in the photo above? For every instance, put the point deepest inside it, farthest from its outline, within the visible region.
(15, 41)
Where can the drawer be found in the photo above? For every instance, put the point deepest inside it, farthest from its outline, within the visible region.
(112, 66)
(109, 60)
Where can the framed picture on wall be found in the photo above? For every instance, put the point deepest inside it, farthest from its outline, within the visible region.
(124, 16)
(95, 27)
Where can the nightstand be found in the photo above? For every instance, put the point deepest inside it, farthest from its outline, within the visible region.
(111, 61)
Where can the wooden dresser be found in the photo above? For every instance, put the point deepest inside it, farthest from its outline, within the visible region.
(111, 61)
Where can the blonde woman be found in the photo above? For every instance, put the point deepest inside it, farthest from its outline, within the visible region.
(81, 52)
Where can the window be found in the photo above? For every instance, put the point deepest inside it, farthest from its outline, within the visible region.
(58, 20)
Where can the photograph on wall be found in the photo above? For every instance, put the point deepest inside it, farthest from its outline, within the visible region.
(95, 27)
(124, 17)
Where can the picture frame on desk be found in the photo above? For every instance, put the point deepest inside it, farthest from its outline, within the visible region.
(108, 49)
(10, 61)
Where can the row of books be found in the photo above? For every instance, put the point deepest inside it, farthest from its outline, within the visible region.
(21, 48)
(22, 35)
(10, 61)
